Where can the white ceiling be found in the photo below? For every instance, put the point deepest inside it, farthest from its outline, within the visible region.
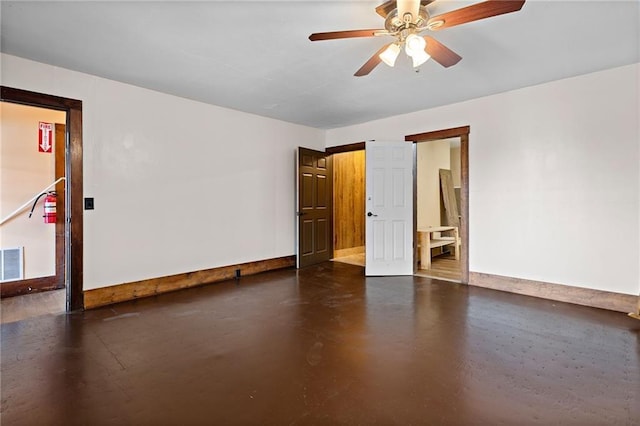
(256, 56)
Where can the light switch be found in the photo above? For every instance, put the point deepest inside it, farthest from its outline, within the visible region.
(88, 203)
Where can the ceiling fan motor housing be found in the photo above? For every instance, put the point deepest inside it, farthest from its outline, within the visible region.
(394, 24)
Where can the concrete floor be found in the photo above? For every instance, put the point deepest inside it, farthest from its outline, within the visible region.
(19, 308)
(324, 345)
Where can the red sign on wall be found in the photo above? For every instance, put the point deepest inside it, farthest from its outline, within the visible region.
(45, 137)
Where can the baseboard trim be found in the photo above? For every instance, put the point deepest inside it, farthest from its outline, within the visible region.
(581, 296)
(151, 287)
(30, 285)
(348, 251)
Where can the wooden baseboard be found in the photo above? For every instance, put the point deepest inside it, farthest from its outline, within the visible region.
(151, 287)
(30, 285)
(581, 296)
(636, 314)
(348, 251)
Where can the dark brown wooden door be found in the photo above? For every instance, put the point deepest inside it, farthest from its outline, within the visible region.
(315, 207)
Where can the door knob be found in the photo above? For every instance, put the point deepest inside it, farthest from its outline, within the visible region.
(371, 214)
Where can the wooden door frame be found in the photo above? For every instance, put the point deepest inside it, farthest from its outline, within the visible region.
(73, 197)
(463, 134)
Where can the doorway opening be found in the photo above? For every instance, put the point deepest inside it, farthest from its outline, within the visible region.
(32, 231)
(441, 190)
(349, 207)
(349, 203)
(68, 254)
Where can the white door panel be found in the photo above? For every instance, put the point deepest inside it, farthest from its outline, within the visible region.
(389, 222)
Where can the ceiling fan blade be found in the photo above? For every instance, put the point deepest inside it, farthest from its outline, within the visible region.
(441, 53)
(371, 63)
(474, 12)
(387, 7)
(344, 34)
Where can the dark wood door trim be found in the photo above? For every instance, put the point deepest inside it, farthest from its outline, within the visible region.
(73, 108)
(463, 134)
(358, 146)
(453, 132)
(60, 171)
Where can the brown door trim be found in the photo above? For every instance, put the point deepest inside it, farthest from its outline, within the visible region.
(463, 134)
(358, 146)
(439, 134)
(61, 215)
(73, 108)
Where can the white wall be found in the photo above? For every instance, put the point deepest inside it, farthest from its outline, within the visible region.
(24, 172)
(456, 173)
(431, 157)
(179, 185)
(554, 185)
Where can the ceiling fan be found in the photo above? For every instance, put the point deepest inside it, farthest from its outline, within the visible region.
(406, 19)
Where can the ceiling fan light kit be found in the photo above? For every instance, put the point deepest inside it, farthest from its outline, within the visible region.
(390, 54)
(415, 46)
(406, 19)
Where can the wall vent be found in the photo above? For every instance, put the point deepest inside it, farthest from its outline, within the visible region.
(11, 264)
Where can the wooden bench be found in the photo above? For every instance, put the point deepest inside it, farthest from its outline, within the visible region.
(428, 241)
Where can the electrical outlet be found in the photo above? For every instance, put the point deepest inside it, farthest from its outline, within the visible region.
(88, 203)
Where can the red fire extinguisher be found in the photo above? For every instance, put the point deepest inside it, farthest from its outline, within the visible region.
(49, 206)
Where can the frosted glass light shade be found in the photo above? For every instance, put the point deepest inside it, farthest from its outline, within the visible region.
(420, 58)
(414, 44)
(390, 54)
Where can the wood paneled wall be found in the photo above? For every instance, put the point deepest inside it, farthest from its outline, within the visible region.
(348, 202)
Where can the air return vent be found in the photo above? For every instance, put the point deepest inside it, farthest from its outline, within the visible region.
(11, 265)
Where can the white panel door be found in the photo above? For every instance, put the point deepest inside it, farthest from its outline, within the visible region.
(389, 221)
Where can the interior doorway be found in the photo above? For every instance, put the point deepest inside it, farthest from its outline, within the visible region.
(32, 230)
(458, 140)
(438, 191)
(349, 207)
(32, 173)
(349, 203)
(442, 209)
(70, 266)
